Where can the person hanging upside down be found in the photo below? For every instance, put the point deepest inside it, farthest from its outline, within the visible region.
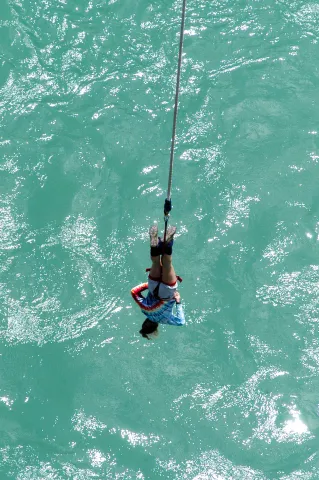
(162, 287)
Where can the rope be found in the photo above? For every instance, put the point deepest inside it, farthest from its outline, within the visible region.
(168, 203)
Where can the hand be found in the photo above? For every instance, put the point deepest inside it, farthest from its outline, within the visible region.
(177, 297)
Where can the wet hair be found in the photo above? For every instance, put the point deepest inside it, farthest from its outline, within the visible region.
(148, 327)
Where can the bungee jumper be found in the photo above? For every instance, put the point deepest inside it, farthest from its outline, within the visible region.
(162, 281)
(162, 286)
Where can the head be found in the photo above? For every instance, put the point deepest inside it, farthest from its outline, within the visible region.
(149, 328)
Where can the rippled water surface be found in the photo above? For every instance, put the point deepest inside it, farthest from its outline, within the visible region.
(86, 98)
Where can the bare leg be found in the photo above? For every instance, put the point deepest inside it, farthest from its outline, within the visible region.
(168, 272)
(156, 268)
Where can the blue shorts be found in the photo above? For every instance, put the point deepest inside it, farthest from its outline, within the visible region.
(165, 291)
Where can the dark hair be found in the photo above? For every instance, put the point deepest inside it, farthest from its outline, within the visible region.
(148, 327)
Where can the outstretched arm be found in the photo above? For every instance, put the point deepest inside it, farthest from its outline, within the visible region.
(179, 318)
(136, 292)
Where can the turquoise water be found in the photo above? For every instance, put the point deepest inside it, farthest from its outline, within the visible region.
(87, 91)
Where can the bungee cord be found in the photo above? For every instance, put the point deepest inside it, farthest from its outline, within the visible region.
(168, 201)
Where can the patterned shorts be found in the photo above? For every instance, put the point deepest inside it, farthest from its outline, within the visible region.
(165, 291)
